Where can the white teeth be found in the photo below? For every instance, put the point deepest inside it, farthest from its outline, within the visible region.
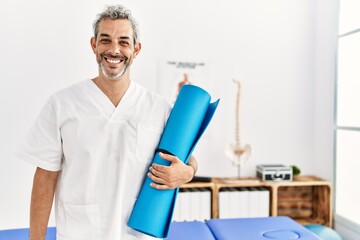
(113, 61)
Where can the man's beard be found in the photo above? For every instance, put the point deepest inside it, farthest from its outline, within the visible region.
(112, 76)
(107, 74)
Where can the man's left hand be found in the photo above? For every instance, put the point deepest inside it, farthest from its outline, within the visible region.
(173, 176)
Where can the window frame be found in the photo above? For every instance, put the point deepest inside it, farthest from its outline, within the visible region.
(351, 226)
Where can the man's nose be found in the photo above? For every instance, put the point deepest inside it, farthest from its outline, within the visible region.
(114, 48)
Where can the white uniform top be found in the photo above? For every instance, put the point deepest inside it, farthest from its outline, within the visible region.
(103, 152)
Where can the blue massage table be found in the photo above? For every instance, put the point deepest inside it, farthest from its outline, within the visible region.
(23, 234)
(270, 228)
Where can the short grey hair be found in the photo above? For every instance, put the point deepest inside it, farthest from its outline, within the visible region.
(117, 12)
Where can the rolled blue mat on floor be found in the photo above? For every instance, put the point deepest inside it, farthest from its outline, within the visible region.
(323, 232)
(190, 116)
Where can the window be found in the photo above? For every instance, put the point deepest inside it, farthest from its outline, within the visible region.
(348, 113)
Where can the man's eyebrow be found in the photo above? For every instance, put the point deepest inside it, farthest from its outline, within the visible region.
(108, 36)
(124, 37)
(104, 35)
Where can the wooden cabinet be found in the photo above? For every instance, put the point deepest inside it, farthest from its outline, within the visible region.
(307, 199)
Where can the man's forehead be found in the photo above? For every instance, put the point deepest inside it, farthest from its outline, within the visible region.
(115, 26)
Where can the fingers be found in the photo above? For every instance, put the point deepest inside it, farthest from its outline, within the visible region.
(158, 168)
(160, 183)
(170, 158)
(160, 187)
(158, 171)
(167, 177)
(164, 169)
(162, 180)
(156, 179)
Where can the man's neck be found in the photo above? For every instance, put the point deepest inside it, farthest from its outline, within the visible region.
(113, 89)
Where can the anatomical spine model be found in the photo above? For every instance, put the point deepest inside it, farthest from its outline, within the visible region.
(238, 154)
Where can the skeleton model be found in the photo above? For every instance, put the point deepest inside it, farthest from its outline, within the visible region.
(238, 154)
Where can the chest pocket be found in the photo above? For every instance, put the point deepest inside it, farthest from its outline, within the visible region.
(146, 143)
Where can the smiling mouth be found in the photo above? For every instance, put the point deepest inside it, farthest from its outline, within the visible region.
(113, 59)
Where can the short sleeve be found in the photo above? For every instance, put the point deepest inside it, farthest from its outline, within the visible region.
(42, 145)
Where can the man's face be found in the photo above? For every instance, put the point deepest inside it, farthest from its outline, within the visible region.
(114, 48)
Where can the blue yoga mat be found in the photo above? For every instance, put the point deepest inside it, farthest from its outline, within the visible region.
(191, 114)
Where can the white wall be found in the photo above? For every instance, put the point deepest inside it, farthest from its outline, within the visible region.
(281, 50)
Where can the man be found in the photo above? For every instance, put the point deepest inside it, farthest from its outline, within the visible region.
(93, 142)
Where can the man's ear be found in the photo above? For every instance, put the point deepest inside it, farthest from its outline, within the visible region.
(93, 44)
(137, 49)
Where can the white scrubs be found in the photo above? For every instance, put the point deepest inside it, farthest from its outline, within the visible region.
(103, 153)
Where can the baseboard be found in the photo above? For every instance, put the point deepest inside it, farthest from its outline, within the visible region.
(348, 229)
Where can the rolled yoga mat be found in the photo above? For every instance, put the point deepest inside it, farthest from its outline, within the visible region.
(191, 114)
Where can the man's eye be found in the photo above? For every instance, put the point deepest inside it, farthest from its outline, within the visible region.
(124, 43)
(104, 40)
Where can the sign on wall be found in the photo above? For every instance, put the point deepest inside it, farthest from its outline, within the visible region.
(175, 73)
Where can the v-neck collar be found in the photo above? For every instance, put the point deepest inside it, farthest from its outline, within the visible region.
(105, 105)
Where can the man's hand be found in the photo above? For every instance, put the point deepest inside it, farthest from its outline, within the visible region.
(173, 176)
